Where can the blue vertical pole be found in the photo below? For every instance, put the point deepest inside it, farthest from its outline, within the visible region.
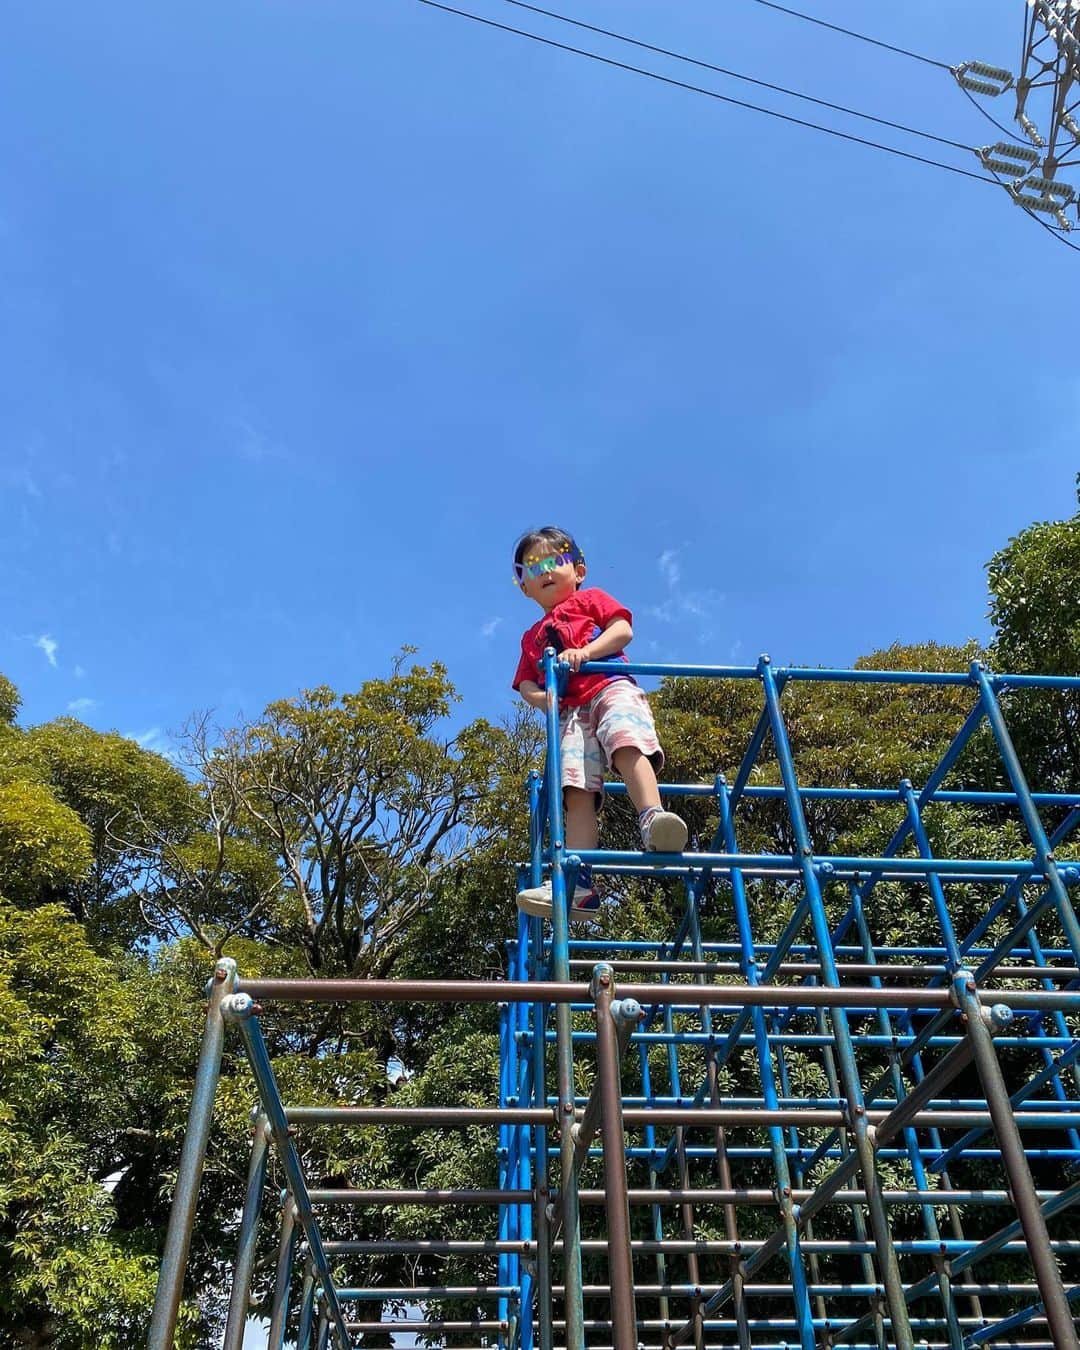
(1028, 810)
(918, 1171)
(564, 1049)
(503, 1163)
(656, 1211)
(894, 1288)
(781, 1172)
(522, 1272)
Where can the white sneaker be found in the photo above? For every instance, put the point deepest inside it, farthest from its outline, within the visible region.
(667, 833)
(537, 901)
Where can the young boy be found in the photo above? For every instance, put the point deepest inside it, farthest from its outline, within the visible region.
(604, 719)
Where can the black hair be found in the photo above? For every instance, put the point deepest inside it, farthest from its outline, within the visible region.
(561, 541)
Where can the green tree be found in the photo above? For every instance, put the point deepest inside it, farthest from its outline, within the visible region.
(1035, 609)
(365, 802)
(70, 1276)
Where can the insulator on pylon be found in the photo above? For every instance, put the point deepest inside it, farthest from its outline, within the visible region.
(1011, 160)
(1069, 123)
(1052, 195)
(995, 81)
(1031, 130)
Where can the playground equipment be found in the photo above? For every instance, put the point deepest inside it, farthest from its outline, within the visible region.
(902, 1139)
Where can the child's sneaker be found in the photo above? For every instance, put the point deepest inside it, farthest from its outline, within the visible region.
(585, 904)
(664, 832)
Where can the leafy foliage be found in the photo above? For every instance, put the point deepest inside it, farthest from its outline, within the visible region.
(369, 833)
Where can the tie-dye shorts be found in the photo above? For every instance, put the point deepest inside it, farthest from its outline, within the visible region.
(618, 716)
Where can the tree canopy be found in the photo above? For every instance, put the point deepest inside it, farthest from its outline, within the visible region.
(366, 833)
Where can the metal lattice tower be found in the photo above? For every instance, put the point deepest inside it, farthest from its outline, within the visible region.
(1047, 110)
(1050, 74)
(811, 1138)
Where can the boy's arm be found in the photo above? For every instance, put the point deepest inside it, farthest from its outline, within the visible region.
(611, 641)
(533, 695)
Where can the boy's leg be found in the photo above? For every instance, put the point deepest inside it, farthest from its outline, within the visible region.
(627, 733)
(583, 781)
(582, 822)
(661, 831)
(638, 774)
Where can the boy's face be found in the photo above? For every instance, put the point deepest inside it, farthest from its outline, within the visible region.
(552, 587)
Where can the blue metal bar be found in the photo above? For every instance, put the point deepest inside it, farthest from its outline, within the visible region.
(826, 676)
(998, 1329)
(503, 1166)
(845, 1052)
(788, 1219)
(809, 1039)
(763, 792)
(571, 1222)
(1028, 810)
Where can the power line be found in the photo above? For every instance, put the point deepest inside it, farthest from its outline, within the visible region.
(706, 93)
(735, 75)
(848, 32)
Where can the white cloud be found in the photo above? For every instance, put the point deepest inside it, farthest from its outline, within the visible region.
(154, 739)
(668, 563)
(254, 444)
(682, 605)
(49, 646)
(81, 705)
(488, 629)
(79, 672)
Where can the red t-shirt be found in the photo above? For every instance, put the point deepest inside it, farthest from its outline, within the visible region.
(574, 622)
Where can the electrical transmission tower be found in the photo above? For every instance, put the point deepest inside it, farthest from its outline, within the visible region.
(1047, 110)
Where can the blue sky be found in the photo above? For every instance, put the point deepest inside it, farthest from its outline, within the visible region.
(311, 307)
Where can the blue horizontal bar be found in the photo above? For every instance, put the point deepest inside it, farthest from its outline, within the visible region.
(585, 945)
(823, 676)
(813, 1038)
(770, 862)
(844, 794)
(736, 1151)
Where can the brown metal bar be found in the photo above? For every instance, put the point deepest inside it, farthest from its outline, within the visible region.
(734, 995)
(662, 1196)
(1047, 1274)
(745, 1117)
(620, 1264)
(418, 1197)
